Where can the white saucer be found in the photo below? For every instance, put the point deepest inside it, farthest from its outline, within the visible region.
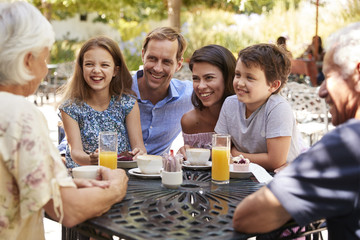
(186, 164)
(239, 174)
(136, 172)
(127, 164)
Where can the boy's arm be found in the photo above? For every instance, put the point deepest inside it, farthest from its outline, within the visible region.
(278, 149)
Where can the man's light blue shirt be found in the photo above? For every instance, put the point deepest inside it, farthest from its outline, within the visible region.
(160, 123)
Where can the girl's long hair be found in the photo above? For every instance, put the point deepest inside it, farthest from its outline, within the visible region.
(76, 89)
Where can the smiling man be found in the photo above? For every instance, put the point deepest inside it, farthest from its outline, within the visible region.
(162, 99)
(323, 182)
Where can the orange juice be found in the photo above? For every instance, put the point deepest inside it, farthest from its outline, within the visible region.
(108, 159)
(220, 164)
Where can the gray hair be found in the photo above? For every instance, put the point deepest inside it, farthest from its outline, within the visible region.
(345, 45)
(23, 30)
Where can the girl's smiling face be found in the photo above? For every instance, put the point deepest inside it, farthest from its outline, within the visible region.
(251, 86)
(98, 68)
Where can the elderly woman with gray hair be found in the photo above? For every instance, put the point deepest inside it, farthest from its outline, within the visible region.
(33, 177)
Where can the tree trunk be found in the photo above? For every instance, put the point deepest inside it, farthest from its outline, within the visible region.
(174, 8)
(47, 8)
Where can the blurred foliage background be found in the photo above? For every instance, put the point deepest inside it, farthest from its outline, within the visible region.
(234, 24)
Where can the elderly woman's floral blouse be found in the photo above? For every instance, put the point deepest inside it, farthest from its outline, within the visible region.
(31, 170)
(92, 122)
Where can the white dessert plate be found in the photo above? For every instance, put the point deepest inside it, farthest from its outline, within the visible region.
(136, 172)
(239, 174)
(127, 164)
(254, 169)
(187, 165)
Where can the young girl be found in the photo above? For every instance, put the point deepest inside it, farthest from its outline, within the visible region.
(213, 69)
(259, 120)
(99, 98)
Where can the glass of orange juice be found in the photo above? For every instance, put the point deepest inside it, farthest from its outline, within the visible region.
(108, 142)
(220, 154)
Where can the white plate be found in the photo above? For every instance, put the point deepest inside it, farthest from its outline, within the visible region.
(186, 164)
(127, 164)
(136, 172)
(239, 174)
(254, 169)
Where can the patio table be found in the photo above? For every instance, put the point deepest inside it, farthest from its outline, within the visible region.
(199, 209)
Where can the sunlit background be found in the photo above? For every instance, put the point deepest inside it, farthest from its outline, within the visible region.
(234, 24)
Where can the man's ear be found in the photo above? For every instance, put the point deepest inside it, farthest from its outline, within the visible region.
(275, 86)
(142, 55)
(179, 64)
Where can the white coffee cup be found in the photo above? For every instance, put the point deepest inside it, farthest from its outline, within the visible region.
(89, 172)
(149, 164)
(171, 179)
(198, 156)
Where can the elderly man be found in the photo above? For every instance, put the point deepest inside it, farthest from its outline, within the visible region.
(162, 99)
(324, 182)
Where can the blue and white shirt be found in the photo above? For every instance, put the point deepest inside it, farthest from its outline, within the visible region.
(160, 123)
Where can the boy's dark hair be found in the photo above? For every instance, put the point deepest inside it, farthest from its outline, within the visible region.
(77, 88)
(271, 59)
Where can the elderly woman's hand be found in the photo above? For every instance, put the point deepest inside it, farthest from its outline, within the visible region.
(112, 174)
(84, 183)
(118, 180)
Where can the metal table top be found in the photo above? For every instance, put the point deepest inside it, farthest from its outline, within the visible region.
(199, 209)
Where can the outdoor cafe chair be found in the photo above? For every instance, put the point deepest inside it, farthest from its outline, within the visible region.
(310, 111)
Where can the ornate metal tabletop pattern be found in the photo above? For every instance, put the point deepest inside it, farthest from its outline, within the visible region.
(199, 209)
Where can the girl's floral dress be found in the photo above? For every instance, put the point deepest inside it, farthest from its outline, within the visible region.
(31, 170)
(92, 122)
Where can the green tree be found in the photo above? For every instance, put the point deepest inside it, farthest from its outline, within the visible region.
(112, 10)
(141, 10)
(352, 13)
